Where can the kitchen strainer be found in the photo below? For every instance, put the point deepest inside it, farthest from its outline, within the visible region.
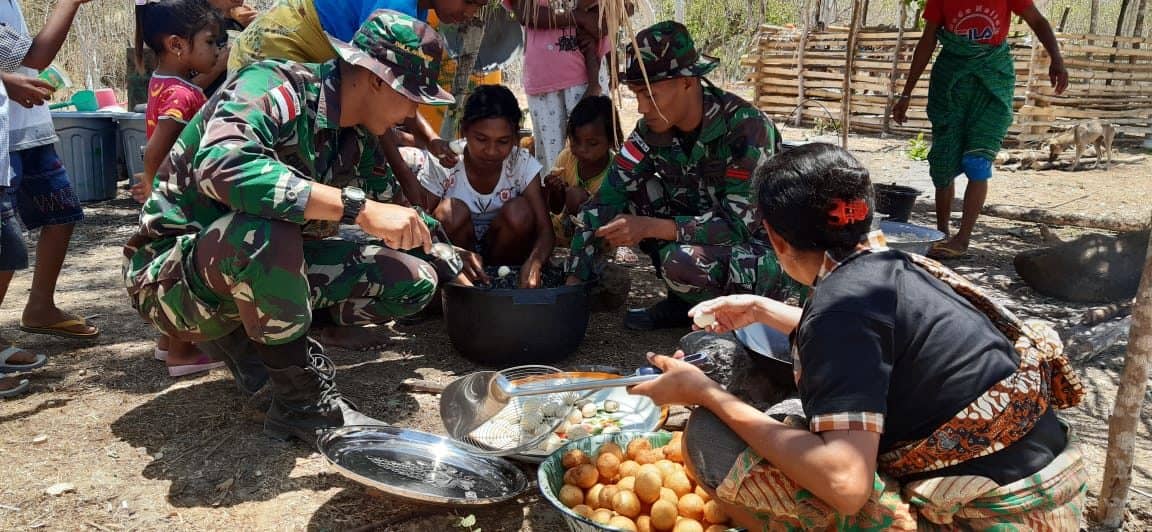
(522, 423)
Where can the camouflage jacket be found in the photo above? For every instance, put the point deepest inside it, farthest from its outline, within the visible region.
(256, 147)
(706, 187)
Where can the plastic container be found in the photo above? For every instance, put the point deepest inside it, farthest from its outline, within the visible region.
(88, 149)
(56, 77)
(896, 201)
(132, 130)
(512, 326)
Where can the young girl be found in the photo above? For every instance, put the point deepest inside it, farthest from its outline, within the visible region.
(581, 167)
(491, 202)
(185, 36)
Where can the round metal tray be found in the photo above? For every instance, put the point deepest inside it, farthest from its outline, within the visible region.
(421, 467)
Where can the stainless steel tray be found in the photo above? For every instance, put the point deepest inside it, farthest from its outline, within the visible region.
(422, 467)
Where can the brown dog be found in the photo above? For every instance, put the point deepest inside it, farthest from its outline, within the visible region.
(1081, 135)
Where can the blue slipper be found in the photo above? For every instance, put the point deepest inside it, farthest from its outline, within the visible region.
(7, 353)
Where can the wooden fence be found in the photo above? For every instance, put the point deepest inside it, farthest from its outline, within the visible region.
(799, 77)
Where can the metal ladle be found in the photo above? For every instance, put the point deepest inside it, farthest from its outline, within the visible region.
(472, 400)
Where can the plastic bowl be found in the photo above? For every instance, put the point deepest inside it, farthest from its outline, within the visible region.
(910, 238)
(550, 476)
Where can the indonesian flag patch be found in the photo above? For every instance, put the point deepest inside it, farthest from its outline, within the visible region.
(630, 155)
(284, 97)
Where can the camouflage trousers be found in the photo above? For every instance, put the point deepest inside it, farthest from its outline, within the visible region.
(697, 273)
(262, 274)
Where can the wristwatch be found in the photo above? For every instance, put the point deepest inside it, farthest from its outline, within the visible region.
(353, 200)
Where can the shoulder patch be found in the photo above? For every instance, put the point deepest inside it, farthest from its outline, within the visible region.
(285, 99)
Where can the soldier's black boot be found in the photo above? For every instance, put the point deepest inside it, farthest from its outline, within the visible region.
(305, 402)
(240, 355)
(671, 313)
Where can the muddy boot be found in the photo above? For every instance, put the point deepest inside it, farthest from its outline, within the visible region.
(239, 354)
(305, 402)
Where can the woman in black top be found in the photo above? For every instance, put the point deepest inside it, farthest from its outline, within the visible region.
(926, 402)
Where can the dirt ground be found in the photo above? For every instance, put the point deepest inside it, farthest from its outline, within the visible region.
(145, 452)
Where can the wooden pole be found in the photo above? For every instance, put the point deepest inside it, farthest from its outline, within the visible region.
(1094, 17)
(801, 49)
(1125, 417)
(849, 67)
(895, 71)
(1063, 20)
(1119, 32)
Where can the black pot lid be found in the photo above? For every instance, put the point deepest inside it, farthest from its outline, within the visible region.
(421, 467)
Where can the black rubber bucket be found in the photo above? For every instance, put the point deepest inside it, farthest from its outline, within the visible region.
(896, 201)
(506, 327)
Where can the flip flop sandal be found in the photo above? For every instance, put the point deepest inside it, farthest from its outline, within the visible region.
(61, 329)
(20, 389)
(202, 364)
(7, 353)
(939, 252)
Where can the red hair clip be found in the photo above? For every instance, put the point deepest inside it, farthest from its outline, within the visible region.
(843, 212)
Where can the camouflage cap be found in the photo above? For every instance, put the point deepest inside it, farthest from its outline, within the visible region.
(402, 51)
(666, 51)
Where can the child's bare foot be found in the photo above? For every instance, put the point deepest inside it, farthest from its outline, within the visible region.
(184, 359)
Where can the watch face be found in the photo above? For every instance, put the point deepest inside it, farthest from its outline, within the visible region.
(354, 194)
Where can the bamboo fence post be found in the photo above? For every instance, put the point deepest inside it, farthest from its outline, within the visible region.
(849, 67)
(895, 72)
(801, 49)
(1119, 31)
(1125, 417)
(1094, 17)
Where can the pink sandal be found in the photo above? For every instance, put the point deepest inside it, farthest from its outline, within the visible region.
(202, 364)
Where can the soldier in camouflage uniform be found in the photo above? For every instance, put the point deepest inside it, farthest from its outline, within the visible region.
(679, 188)
(229, 251)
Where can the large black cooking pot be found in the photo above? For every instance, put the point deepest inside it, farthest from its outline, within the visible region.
(504, 327)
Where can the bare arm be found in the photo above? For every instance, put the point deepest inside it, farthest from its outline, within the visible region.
(47, 43)
(836, 466)
(413, 190)
(1057, 74)
(920, 58)
(545, 239)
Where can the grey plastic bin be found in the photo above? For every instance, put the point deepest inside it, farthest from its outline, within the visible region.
(132, 131)
(88, 150)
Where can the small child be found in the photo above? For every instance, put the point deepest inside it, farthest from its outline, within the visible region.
(593, 137)
(490, 203)
(185, 36)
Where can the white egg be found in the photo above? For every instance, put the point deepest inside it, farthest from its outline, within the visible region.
(503, 271)
(574, 416)
(531, 405)
(610, 429)
(552, 408)
(579, 431)
(704, 320)
(531, 420)
(588, 410)
(611, 406)
(553, 442)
